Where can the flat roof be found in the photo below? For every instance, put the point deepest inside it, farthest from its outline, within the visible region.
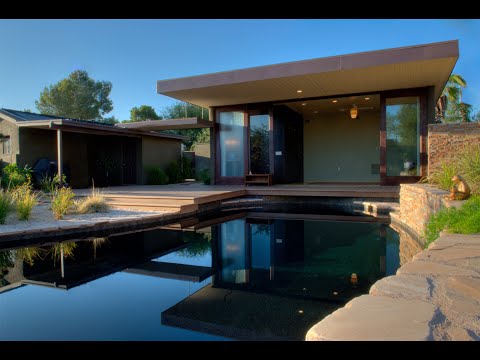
(168, 124)
(372, 71)
(79, 126)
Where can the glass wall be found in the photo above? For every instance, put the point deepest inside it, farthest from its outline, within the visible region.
(403, 136)
(232, 157)
(259, 144)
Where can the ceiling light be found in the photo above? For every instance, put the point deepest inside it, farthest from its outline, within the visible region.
(303, 104)
(367, 98)
(334, 101)
(354, 112)
(299, 91)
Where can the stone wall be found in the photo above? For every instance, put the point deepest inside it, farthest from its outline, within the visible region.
(446, 139)
(417, 203)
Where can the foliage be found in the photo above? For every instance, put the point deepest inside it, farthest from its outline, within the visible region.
(24, 199)
(200, 244)
(458, 112)
(442, 178)
(174, 172)
(466, 163)
(156, 176)
(49, 184)
(451, 94)
(144, 112)
(78, 96)
(469, 165)
(188, 172)
(7, 257)
(204, 176)
(62, 201)
(94, 203)
(177, 111)
(29, 254)
(109, 120)
(13, 176)
(66, 247)
(5, 205)
(465, 220)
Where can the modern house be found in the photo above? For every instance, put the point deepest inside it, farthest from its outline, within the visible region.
(358, 118)
(86, 149)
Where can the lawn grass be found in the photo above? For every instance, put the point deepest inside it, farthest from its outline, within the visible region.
(464, 220)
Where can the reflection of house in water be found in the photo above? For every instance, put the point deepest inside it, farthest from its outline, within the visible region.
(92, 259)
(275, 278)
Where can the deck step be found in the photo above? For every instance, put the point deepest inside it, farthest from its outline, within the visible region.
(153, 207)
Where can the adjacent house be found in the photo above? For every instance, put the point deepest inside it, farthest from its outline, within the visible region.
(110, 155)
(358, 118)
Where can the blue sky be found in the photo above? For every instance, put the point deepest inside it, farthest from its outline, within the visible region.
(133, 54)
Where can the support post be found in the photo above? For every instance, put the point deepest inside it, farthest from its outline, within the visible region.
(59, 157)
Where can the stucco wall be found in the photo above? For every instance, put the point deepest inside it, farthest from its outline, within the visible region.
(9, 129)
(35, 144)
(446, 140)
(202, 156)
(340, 149)
(159, 152)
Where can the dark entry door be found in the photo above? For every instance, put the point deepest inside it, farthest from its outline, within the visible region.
(129, 163)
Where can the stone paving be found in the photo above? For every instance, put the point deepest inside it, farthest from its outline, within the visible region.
(435, 296)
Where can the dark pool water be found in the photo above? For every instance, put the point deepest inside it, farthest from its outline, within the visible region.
(241, 277)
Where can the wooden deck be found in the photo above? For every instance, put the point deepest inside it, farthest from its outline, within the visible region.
(187, 197)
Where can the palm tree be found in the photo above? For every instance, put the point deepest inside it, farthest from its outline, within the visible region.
(452, 93)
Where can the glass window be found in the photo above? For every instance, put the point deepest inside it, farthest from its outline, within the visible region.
(6, 146)
(232, 158)
(403, 136)
(259, 143)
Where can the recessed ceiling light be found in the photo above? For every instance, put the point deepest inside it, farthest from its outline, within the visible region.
(303, 104)
(334, 101)
(299, 91)
(367, 98)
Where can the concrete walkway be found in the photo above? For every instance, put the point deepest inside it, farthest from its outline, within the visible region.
(436, 296)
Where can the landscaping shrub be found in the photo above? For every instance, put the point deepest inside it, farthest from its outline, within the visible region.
(465, 220)
(49, 184)
(13, 176)
(62, 201)
(24, 199)
(5, 205)
(466, 164)
(156, 176)
(469, 164)
(204, 176)
(174, 172)
(94, 203)
(443, 177)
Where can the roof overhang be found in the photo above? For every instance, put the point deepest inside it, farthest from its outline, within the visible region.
(168, 124)
(373, 71)
(86, 128)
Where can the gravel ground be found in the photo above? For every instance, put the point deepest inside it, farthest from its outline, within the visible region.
(42, 218)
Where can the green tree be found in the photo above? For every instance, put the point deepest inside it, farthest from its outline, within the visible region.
(78, 96)
(458, 112)
(144, 112)
(451, 94)
(110, 120)
(182, 110)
